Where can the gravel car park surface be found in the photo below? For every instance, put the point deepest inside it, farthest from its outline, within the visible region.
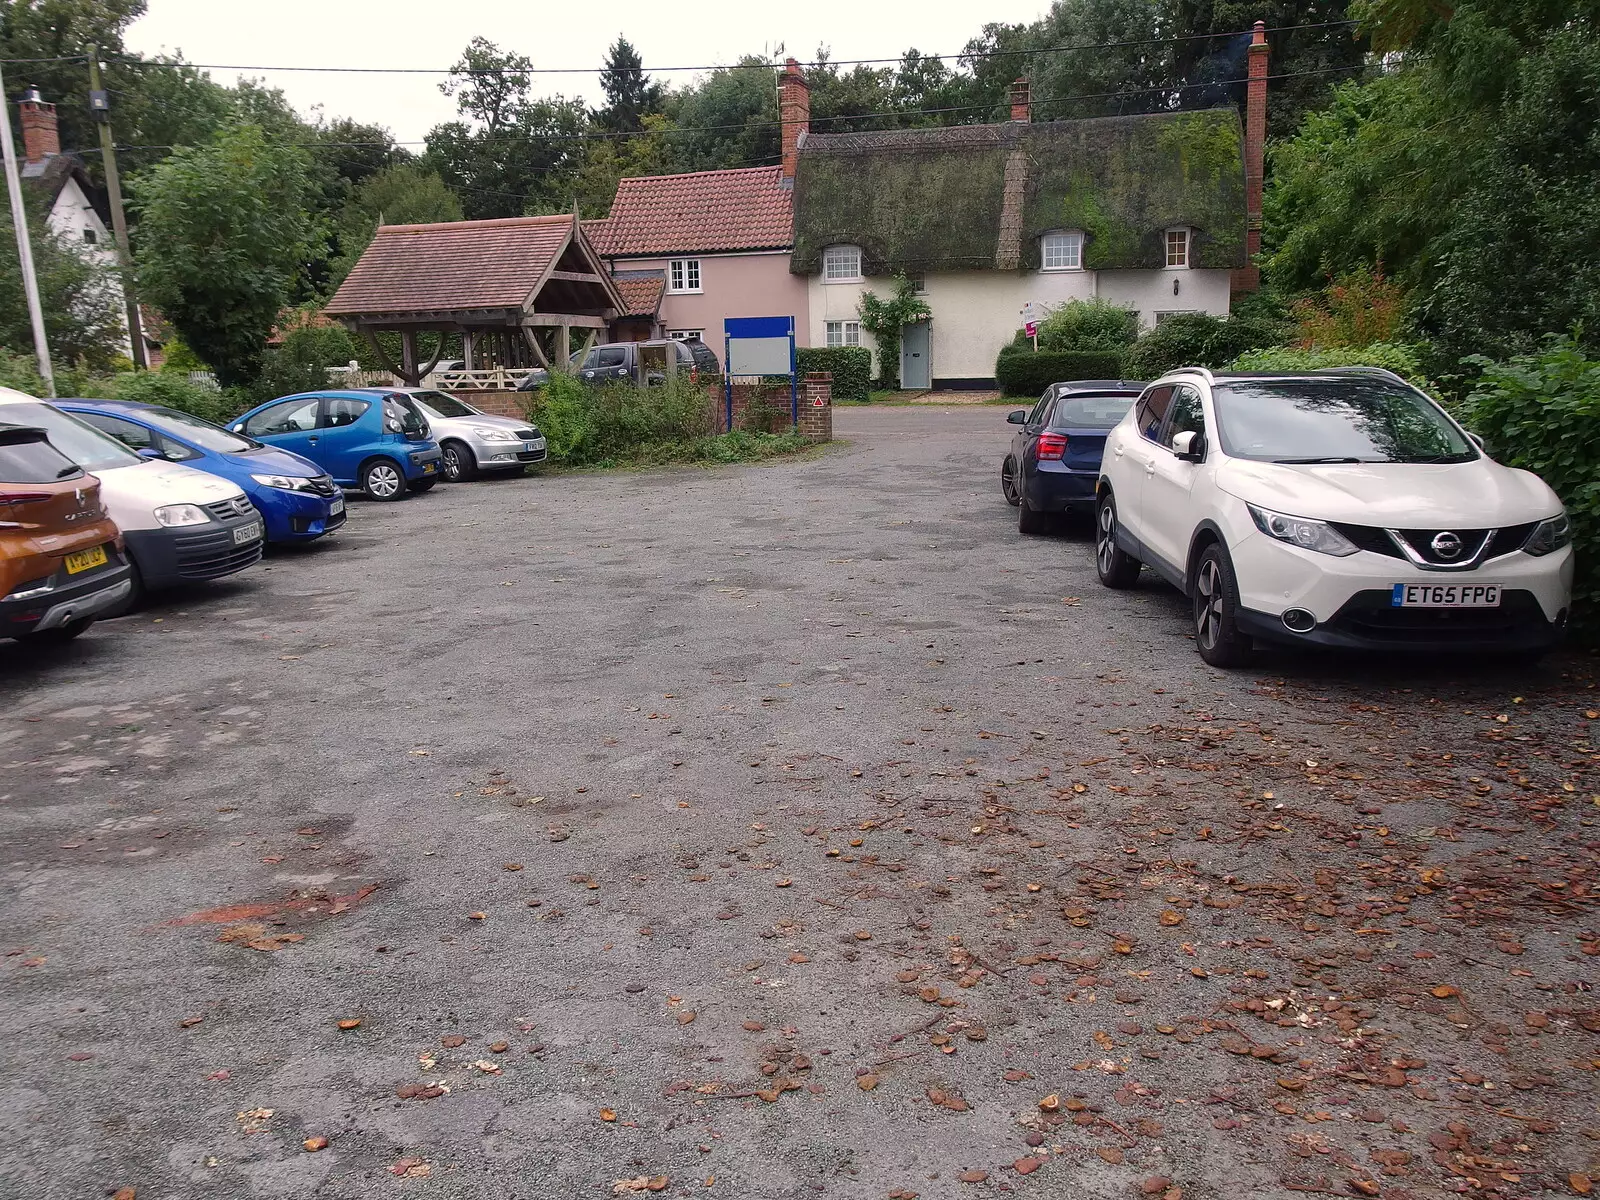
(779, 831)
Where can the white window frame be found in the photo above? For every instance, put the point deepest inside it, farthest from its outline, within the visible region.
(843, 333)
(1167, 314)
(841, 264)
(1184, 240)
(1069, 242)
(683, 277)
(686, 335)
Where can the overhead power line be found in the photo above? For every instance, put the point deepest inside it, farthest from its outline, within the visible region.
(604, 135)
(959, 56)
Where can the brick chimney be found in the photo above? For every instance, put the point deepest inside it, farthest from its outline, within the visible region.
(1020, 101)
(1248, 279)
(40, 137)
(794, 114)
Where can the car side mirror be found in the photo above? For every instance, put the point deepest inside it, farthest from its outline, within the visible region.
(1019, 417)
(237, 427)
(1476, 440)
(1189, 446)
(150, 452)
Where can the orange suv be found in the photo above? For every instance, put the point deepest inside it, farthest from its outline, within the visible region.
(61, 559)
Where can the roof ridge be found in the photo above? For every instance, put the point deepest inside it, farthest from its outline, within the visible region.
(696, 174)
(489, 222)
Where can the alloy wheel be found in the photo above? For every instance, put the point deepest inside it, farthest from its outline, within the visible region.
(383, 481)
(1208, 604)
(1106, 538)
(452, 464)
(1008, 481)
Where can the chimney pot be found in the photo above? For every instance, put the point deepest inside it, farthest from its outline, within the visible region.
(1021, 103)
(41, 138)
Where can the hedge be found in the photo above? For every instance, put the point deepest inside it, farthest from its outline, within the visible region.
(850, 366)
(1199, 340)
(1024, 373)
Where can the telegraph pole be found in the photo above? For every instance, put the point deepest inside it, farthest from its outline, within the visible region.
(19, 218)
(100, 105)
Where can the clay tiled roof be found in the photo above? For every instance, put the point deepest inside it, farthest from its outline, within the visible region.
(641, 291)
(705, 212)
(454, 265)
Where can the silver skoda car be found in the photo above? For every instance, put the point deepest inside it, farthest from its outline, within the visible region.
(475, 443)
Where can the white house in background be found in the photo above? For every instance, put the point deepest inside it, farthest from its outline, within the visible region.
(73, 211)
(1150, 211)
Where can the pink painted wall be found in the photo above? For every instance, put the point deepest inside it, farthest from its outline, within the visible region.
(732, 285)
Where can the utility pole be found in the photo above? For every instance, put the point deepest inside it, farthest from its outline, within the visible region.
(19, 218)
(100, 105)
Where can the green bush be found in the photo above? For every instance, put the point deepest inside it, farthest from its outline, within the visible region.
(586, 425)
(1402, 359)
(850, 366)
(1541, 412)
(1089, 325)
(1198, 340)
(301, 363)
(1024, 373)
(169, 390)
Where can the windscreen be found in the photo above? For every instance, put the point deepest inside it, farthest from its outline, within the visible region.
(82, 443)
(1090, 412)
(441, 404)
(202, 433)
(1357, 419)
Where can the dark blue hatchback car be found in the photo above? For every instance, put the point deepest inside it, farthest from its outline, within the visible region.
(1054, 460)
(297, 499)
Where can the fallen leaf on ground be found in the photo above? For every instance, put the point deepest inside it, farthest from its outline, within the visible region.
(350, 1023)
(411, 1168)
(607, 1114)
(973, 1176)
(313, 1144)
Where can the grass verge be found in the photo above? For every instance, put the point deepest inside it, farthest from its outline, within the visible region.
(737, 447)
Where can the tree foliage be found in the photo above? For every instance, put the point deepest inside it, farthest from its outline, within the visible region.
(630, 94)
(224, 234)
(1467, 170)
(83, 317)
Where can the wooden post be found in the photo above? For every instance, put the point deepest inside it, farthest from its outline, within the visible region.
(408, 358)
(563, 348)
(468, 353)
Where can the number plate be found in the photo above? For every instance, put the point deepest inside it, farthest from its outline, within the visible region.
(1446, 595)
(85, 560)
(246, 533)
(335, 506)
(536, 444)
(429, 468)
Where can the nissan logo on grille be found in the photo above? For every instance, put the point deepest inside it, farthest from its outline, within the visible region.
(1446, 544)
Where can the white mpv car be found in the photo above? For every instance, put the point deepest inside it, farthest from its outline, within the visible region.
(1339, 508)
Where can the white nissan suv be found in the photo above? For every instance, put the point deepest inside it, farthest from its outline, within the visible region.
(1339, 508)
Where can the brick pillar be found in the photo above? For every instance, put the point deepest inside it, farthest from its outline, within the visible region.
(1020, 101)
(816, 407)
(40, 136)
(794, 114)
(1248, 278)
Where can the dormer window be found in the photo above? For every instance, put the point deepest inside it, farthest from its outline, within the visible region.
(1177, 247)
(1061, 251)
(841, 264)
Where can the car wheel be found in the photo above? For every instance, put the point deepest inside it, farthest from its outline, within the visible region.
(1008, 482)
(1116, 567)
(460, 464)
(382, 480)
(1216, 610)
(1030, 520)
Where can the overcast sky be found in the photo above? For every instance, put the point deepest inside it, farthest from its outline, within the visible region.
(411, 33)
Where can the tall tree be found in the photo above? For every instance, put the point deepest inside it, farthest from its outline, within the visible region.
(224, 233)
(398, 195)
(630, 94)
(729, 119)
(511, 153)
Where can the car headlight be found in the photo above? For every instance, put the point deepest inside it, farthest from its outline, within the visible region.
(1549, 535)
(286, 483)
(494, 435)
(172, 515)
(1298, 531)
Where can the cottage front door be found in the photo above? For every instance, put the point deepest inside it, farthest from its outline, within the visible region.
(915, 369)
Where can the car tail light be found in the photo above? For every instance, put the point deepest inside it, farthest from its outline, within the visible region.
(23, 497)
(1052, 446)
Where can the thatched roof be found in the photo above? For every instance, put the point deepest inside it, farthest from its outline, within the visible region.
(979, 196)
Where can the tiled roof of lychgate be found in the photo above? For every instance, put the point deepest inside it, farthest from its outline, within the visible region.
(703, 212)
(452, 265)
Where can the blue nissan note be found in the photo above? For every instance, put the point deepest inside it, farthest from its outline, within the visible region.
(375, 439)
(300, 502)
